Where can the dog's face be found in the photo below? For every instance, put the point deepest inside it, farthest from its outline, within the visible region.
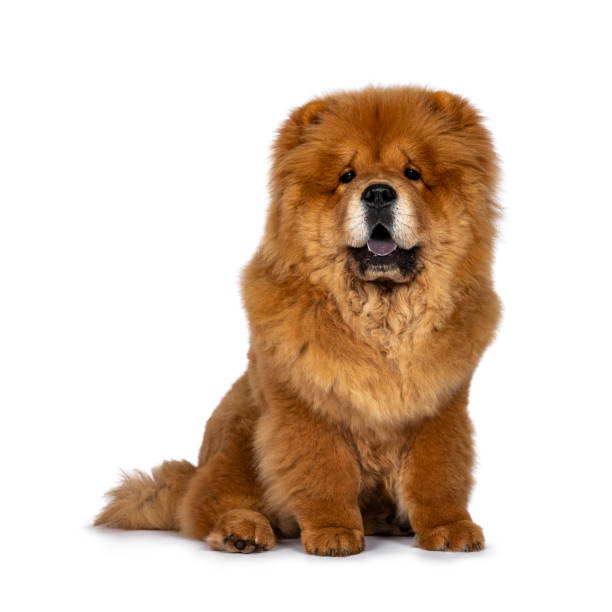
(380, 223)
(391, 184)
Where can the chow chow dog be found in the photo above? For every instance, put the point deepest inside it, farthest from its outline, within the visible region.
(370, 302)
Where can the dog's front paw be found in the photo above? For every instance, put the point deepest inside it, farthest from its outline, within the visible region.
(460, 536)
(333, 541)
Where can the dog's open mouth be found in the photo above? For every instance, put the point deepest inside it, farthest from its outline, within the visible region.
(381, 243)
(382, 253)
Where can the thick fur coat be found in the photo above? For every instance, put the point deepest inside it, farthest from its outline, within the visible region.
(352, 416)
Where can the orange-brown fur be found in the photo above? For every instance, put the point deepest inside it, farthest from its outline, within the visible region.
(352, 416)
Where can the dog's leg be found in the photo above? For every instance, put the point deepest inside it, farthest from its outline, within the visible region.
(223, 503)
(223, 506)
(311, 472)
(436, 480)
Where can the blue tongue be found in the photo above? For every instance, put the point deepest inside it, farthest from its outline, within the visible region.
(381, 246)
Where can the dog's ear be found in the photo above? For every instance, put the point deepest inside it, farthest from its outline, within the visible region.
(309, 113)
(466, 122)
(294, 130)
(455, 108)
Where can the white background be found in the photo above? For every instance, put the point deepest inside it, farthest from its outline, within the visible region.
(134, 149)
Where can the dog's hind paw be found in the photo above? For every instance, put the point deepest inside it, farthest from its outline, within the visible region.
(241, 531)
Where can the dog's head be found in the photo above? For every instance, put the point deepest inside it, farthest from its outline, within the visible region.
(384, 185)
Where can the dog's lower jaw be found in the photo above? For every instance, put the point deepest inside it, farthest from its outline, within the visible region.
(400, 267)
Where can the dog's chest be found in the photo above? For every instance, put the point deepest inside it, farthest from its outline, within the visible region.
(380, 462)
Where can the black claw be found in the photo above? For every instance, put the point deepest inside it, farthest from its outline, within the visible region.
(406, 528)
(316, 551)
(390, 519)
(240, 544)
(226, 539)
(467, 548)
(332, 552)
(347, 552)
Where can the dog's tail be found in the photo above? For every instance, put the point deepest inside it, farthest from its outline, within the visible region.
(148, 502)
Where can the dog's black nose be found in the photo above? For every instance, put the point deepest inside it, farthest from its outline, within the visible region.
(379, 195)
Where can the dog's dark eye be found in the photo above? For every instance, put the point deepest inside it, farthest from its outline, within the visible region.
(348, 176)
(412, 174)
